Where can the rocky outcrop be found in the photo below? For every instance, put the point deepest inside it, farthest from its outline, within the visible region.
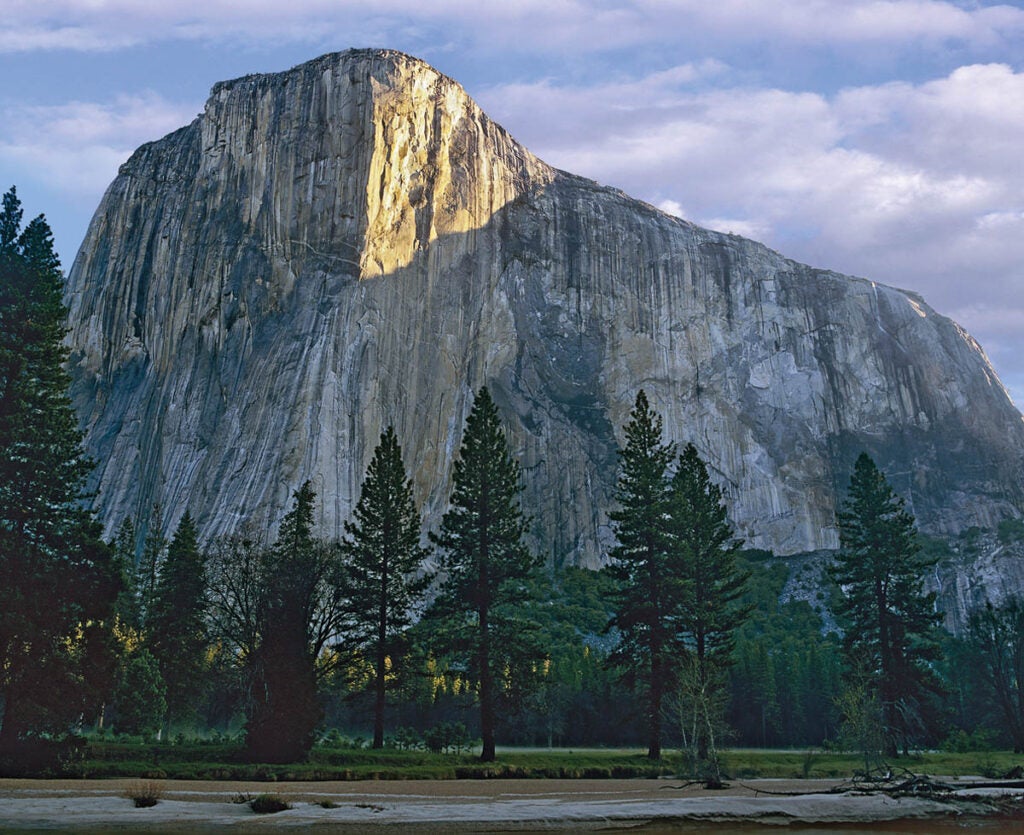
(353, 243)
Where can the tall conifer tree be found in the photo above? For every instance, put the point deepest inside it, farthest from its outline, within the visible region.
(889, 620)
(147, 570)
(58, 582)
(176, 629)
(650, 593)
(486, 564)
(383, 556)
(703, 550)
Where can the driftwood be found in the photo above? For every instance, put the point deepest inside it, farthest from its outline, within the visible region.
(906, 783)
(704, 784)
(899, 783)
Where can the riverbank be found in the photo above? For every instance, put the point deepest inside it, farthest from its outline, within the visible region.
(474, 805)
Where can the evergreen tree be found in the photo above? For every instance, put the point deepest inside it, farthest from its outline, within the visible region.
(889, 621)
(139, 695)
(651, 593)
(176, 628)
(486, 567)
(703, 552)
(383, 556)
(127, 606)
(58, 582)
(300, 612)
(147, 571)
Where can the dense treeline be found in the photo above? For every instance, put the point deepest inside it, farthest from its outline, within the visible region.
(461, 635)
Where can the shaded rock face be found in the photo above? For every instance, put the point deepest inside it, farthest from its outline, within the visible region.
(352, 243)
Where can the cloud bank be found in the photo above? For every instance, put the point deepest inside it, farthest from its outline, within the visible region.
(582, 25)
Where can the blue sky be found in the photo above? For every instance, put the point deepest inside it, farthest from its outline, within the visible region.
(880, 138)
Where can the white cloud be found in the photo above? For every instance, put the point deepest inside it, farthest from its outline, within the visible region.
(673, 207)
(863, 21)
(575, 25)
(31, 37)
(732, 226)
(78, 146)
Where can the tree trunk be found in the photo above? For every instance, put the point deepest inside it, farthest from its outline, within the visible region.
(487, 754)
(702, 687)
(9, 730)
(379, 701)
(654, 719)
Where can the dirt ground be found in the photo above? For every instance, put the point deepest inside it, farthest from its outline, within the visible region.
(396, 790)
(446, 805)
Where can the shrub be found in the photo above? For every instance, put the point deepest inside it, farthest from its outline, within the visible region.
(144, 793)
(447, 736)
(981, 739)
(266, 804)
(38, 757)
(807, 763)
(406, 739)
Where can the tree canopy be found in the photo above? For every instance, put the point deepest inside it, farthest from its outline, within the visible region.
(995, 656)
(285, 710)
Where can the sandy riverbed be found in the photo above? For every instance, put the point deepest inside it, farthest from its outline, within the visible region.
(450, 805)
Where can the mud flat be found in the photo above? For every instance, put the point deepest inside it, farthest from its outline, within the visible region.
(486, 806)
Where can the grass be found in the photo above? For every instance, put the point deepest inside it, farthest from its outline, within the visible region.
(144, 793)
(225, 762)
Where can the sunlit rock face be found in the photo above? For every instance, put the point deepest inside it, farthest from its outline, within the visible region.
(352, 243)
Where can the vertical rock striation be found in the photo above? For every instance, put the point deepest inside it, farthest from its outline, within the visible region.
(354, 243)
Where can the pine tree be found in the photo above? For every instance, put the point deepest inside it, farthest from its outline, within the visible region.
(703, 551)
(58, 582)
(147, 571)
(650, 592)
(888, 619)
(140, 694)
(127, 606)
(486, 566)
(176, 628)
(383, 555)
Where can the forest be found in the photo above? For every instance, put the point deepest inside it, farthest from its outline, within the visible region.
(462, 638)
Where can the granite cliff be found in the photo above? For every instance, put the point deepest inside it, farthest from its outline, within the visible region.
(354, 243)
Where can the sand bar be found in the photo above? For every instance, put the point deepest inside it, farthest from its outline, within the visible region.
(457, 805)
